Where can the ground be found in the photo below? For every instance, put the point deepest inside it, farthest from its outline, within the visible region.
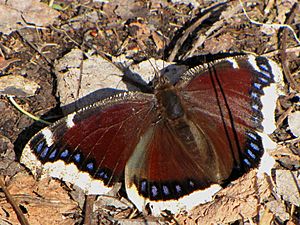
(36, 36)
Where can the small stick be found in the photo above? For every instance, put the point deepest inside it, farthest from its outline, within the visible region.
(283, 54)
(22, 219)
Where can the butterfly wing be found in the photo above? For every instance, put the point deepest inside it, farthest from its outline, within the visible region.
(162, 170)
(224, 109)
(232, 102)
(90, 148)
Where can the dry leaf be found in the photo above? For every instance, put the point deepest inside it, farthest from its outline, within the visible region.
(158, 40)
(278, 209)
(128, 9)
(236, 202)
(76, 76)
(37, 199)
(294, 123)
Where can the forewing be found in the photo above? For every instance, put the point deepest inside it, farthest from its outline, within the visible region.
(90, 148)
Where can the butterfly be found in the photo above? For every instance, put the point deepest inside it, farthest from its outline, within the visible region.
(174, 147)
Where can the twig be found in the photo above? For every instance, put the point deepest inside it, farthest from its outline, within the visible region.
(276, 52)
(284, 116)
(5, 63)
(80, 77)
(215, 29)
(65, 33)
(22, 219)
(88, 214)
(269, 6)
(51, 3)
(189, 30)
(283, 54)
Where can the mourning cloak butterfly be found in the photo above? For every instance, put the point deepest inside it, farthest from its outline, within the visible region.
(170, 148)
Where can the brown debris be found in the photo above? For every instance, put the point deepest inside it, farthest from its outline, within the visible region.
(4, 63)
(42, 202)
(237, 202)
(221, 44)
(288, 186)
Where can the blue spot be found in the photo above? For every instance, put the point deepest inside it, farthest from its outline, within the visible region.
(40, 146)
(266, 74)
(257, 85)
(166, 190)
(64, 154)
(143, 186)
(263, 80)
(247, 162)
(254, 146)
(45, 152)
(90, 166)
(77, 157)
(254, 95)
(53, 154)
(255, 107)
(263, 67)
(154, 190)
(178, 188)
(102, 175)
(255, 120)
(253, 136)
(251, 154)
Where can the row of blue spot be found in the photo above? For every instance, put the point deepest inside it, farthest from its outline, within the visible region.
(253, 148)
(42, 151)
(164, 189)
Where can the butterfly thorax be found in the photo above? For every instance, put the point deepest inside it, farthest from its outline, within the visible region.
(169, 106)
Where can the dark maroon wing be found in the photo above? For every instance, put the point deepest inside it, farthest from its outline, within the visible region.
(232, 101)
(164, 164)
(92, 144)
